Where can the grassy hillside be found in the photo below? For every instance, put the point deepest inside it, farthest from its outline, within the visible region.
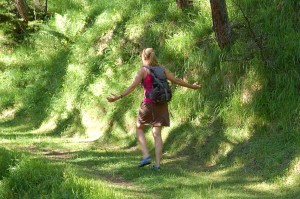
(56, 75)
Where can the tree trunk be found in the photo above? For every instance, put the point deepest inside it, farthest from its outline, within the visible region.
(221, 24)
(184, 3)
(23, 9)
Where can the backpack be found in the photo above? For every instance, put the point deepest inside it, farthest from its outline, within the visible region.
(161, 91)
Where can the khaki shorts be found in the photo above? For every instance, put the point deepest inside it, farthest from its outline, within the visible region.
(154, 114)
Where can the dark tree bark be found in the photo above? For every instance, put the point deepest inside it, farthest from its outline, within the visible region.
(184, 3)
(22, 9)
(221, 24)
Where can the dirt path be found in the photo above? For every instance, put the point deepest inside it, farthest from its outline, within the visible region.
(87, 170)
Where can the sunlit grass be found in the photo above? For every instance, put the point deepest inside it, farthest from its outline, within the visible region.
(241, 124)
(180, 176)
(50, 180)
(69, 25)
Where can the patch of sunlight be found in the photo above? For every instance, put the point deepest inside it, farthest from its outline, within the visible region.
(8, 113)
(180, 43)
(247, 93)
(293, 179)
(103, 42)
(81, 53)
(205, 5)
(60, 22)
(76, 69)
(92, 125)
(263, 187)
(8, 60)
(97, 88)
(6, 141)
(48, 125)
(109, 72)
(297, 167)
(252, 85)
(68, 25)
(134, 32)
(69, 104)
(2, 37)
(293, 176)
(107, 19)
(223, 150)
(76, 73)
(246, 96)
(237, 135)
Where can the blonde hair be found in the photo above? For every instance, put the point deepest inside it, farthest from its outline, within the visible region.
(149, 54)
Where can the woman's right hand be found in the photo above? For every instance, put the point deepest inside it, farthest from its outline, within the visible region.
(113, 98)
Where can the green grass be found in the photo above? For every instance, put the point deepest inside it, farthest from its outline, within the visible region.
(48, 167)
(236, 137)
(39, 178)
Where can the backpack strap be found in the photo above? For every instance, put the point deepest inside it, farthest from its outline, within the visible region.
(152, 73)
(142, 83)
(157, 80)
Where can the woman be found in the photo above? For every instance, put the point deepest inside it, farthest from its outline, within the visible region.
(150, 113)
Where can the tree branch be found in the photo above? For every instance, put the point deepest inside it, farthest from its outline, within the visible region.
(256, 39)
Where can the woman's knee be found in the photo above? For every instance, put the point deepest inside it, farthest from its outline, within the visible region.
(139, 126)
(156, 132)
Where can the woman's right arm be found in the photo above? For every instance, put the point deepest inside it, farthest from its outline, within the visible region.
(137, 80)
(180, 82)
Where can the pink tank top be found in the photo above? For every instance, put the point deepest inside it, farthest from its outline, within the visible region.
(147, 87)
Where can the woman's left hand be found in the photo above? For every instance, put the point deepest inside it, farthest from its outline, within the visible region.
(196, 86)
(112, 98)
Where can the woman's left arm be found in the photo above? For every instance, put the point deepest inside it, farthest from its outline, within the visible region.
(137, 80)
(180, 82)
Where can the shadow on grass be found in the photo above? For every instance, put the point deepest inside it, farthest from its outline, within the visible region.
(35, 95)
(120, 168)
(16, 125)
(267, 154)
(200, 143)
(179, 175)
(21, 126)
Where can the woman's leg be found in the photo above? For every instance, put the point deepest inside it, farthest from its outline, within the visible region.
(142, 140)
(158, 144)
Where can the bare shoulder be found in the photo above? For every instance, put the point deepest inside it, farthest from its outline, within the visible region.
(142, 71)
(170, 76)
